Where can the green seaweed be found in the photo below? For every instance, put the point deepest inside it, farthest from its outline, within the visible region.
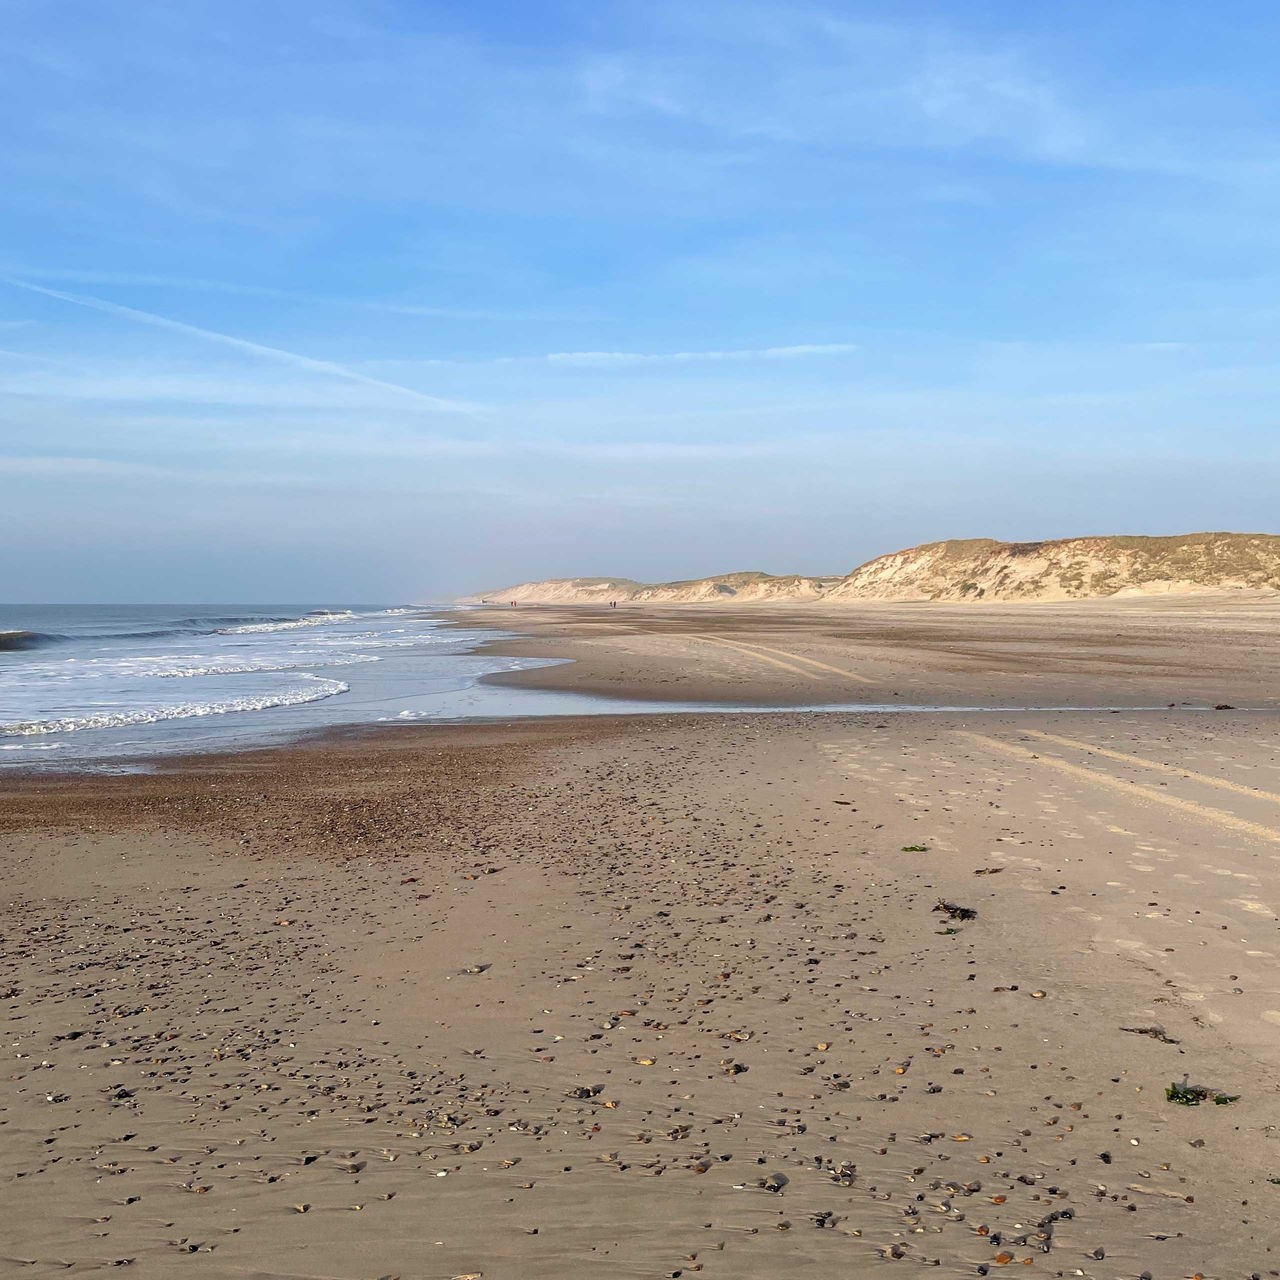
(1192, 1095)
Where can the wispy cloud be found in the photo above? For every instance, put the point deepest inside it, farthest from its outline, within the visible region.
(26, 357)
(92, 469)
(693, 357)
(804, 75)
(65, 467)
(605, 359)
(810, 76)
(609, 359)
(233, 288)
(678, 451)
(223, 386)
(340, 445)
(327, 367)
(326, 461)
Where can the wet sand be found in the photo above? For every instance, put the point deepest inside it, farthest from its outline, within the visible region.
(674, 994)
(1140, 651)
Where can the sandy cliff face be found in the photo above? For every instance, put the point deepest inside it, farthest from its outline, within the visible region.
(1067, 569)
(968, 569)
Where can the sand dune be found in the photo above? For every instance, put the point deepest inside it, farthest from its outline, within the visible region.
(737, 587)
(965, 569)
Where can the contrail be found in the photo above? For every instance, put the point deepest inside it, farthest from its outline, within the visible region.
(241, 344)
(251, 291)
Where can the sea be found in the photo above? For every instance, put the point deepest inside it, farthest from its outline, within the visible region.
(111, 686)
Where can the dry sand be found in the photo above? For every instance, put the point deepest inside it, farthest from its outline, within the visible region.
(671, 994)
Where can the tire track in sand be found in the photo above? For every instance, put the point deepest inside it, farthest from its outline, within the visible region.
(1220, 817)
(755, 651)
(1128, 758)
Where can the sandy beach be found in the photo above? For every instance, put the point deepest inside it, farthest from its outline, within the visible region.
(740, 995)
(1150, 650)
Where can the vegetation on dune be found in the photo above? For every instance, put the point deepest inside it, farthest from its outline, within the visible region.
(972, 569)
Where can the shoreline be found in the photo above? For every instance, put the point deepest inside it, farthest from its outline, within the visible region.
(765, 659)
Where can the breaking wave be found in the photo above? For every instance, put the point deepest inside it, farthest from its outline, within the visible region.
(214, 668)
(318, 689)
(320, 618)
(11, 641)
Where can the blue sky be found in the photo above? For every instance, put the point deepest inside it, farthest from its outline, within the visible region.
(383, 301)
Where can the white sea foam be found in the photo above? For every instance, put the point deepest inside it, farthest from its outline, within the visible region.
(318, 689)
(173, 667)
(247, 668)
(311, 620)
(408, 641)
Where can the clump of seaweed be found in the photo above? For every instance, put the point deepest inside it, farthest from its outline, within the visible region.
(1156, 1033)
(1192, 1095)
